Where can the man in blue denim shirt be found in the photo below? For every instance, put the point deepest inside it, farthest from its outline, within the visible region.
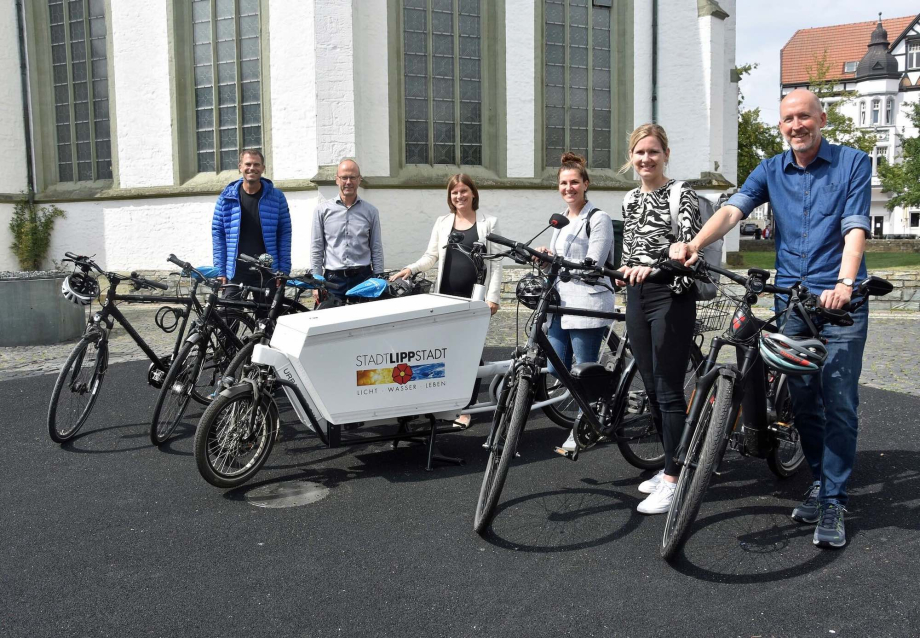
(820, 195)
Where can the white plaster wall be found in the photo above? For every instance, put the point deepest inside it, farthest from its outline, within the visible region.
(642, 63)
(372, 106)
(140, 54)
(682, 88)
(293, 89)
(7, 260)
(335, 81)
(520, 53)
(729, 121)
(14, 176)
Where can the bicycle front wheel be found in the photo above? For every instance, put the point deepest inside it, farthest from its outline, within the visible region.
(701, 461)
(220, 352)
(176, 391)
(77, 387)
(234, 438)
(503, 443)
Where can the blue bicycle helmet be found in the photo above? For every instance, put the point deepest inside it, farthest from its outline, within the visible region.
(794, 356)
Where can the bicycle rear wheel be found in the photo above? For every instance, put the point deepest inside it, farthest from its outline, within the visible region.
(176, 391)
(77, 387)
(231, 442)
(787, 456)
(701, 461)
(637, 437)
(504, 440)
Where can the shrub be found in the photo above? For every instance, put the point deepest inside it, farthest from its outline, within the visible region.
(31, 227)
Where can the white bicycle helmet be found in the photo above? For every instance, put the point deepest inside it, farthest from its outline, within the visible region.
(80, 288)
(794, 356)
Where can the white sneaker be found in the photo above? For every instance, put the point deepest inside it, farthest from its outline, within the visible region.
(659, 501)
(569, 445)
(648, 487)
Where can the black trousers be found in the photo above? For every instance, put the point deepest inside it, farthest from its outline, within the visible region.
(660, 328)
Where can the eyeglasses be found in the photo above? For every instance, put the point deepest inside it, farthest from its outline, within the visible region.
(349, 178)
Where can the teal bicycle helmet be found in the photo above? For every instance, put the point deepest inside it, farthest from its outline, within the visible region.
(791, 355)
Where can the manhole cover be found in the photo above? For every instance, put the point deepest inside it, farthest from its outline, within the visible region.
(288, 494)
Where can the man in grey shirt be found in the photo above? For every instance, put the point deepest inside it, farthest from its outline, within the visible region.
(347, 248)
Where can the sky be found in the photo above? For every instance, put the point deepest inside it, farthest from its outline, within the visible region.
(764, 27)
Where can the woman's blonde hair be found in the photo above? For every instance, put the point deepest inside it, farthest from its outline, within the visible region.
(462, 178)
(646, 130)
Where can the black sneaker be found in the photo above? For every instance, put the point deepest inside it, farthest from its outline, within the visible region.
(830, 531)
(807, 512)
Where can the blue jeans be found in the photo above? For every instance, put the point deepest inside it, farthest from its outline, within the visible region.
(583, 343)
(343, 284)
(825, 403)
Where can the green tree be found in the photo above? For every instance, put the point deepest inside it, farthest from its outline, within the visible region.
(903, 177)
(756, 139)
(840, 129)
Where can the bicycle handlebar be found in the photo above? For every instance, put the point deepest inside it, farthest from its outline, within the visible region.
(140, 281)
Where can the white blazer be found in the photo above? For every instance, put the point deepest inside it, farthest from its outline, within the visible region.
(437, 246)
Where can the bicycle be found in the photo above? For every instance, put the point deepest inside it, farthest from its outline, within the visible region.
(223, 331)
(751, 387)
(78, 383)
(605, 392)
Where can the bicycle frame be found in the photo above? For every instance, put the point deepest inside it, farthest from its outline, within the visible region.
(110, 310)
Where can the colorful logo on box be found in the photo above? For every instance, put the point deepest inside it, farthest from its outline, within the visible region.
(401, 374)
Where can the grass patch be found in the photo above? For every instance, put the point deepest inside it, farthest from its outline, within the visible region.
(874, 261)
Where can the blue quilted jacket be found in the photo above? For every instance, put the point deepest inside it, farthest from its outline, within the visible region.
(276, 227)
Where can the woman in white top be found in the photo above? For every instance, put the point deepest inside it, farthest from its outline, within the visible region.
(571, 336)
(456, 274)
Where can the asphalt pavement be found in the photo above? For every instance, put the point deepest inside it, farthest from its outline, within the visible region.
(109, 536)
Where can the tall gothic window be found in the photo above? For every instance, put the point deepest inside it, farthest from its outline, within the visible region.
(79, 70)
(228, 93)
(442, 62)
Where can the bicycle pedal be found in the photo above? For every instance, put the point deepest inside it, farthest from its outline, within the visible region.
(572, 455)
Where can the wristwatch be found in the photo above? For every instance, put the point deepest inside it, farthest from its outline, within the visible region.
(846, 281)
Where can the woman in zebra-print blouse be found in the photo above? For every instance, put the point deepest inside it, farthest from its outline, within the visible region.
(659, 317)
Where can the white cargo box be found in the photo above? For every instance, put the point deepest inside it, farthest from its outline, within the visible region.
(390, 358)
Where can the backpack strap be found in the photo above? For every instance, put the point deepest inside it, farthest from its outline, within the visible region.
(588, 222)
(674, 205)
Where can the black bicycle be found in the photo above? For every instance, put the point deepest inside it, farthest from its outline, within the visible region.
(608, 393)
(223, 328)
(755, 387)
(78, 384)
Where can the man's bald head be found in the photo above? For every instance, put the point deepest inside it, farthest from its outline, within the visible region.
(803, 97)
(348, 165)
(801, 119)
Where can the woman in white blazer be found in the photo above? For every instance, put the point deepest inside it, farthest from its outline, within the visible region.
(572, 336)
(456, 274)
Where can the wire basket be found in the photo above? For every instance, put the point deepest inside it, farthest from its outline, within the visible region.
(713, 315)
(422, 286)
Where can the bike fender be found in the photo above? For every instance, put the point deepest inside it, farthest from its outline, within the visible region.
(244, 387)
(194, 337)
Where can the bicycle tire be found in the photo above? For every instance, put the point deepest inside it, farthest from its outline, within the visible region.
(243, 357)
(638, 439)
(563, 413)
(176, 392)
(787, 457)
(503, 445)
(219, 354)
(702, 459)
(64, 407)
(227, 454)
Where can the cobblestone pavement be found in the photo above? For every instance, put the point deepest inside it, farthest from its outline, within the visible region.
(892, 360)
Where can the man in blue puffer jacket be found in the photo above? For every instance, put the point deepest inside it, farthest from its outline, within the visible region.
(251, 217)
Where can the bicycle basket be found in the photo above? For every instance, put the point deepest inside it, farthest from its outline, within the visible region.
(713, 315)
(422, 286)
